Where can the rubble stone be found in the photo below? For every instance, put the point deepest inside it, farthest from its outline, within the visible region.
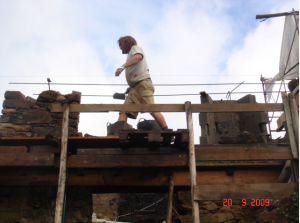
(6, 111)
(37, 116)
(17, 128)
(5, 118)
(48, 96)
(14, 95)
(15, 103)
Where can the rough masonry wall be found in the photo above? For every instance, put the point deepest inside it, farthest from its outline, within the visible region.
(37, 204)
(26, 117)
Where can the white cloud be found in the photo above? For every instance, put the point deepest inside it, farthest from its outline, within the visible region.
(69, 38)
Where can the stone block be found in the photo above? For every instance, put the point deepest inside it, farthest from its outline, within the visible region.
(5, 118)
(212, 218)
(223, 217)
(6, 111)
(228, 128)
(74, 97)
(48, 96)
(14, 95)
(37, 116)
(247, 99)
(15, 103)
(17, 128)
(74, 115)
(30, 99)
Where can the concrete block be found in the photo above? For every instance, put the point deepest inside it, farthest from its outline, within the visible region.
(247, 99)
(260, 117)
(205, 98)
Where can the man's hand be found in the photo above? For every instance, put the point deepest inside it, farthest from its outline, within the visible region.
(119, 71)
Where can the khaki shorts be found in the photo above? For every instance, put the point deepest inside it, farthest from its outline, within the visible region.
(142, 93)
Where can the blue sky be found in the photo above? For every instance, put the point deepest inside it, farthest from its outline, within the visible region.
(217, 41)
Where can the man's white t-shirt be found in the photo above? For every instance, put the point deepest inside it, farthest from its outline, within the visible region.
(139, 71)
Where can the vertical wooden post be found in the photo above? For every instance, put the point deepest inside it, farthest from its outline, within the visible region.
(295, 116)
(170, 200)
(63, 165)
(289, 124)
(192, 161)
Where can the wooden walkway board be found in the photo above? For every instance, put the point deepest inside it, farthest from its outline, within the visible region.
(245, 191)
(26, 159)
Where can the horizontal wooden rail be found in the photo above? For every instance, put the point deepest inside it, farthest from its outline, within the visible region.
(245, 191)
(137, 177)
(196, 108)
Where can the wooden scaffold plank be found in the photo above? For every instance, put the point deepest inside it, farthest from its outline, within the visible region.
(63, 164)
(192, 161)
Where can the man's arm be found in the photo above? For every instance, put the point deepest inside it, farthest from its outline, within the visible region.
(133, 60)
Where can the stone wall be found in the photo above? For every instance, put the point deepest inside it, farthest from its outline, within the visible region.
(26, 117)
(37, 204)
(215, 212)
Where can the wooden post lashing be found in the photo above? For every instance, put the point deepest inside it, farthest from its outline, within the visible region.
(295, 116)
(170, 200)
(63, 165)
(289, 123)
(192, 161)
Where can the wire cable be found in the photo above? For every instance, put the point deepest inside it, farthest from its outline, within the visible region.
(127, 84)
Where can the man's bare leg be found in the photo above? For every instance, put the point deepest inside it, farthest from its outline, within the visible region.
(160, 119)
(122, 117)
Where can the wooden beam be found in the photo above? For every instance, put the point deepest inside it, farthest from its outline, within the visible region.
(289, 123)
(26, 159)
(112, 161)
(45, 149)
(240, 107)
(13, 149)
(170, 200)
(295, 117)
(122, 151)
(245, 191)
(242, 152)
(139, 177)
(192, 161)
(63, 165)
(285, 173)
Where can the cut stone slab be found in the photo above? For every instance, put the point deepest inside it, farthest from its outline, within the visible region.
(48, 96)
(16, 103)
(14, 95)
(18, 128)
(37, 116)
